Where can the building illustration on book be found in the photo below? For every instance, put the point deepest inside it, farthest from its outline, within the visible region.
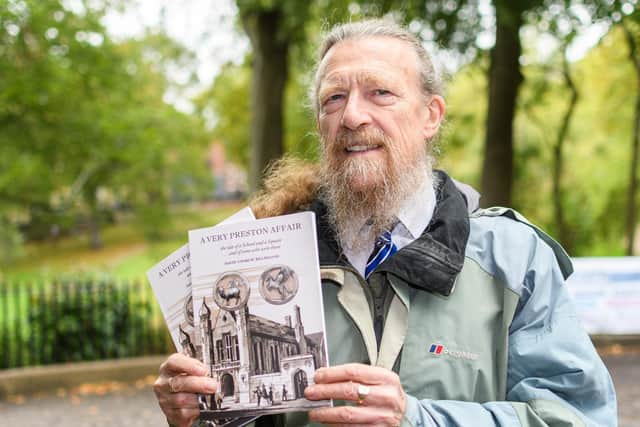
(258, 362)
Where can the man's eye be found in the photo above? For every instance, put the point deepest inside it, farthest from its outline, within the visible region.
(335, 97)
(382, 92)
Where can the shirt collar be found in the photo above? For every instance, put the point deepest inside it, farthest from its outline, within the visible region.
(413, 218)
(415, 214)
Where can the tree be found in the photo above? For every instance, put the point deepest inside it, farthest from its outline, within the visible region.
(85, 127)
(505, 78)
(273, 26)
(564, 233)
(631, 27)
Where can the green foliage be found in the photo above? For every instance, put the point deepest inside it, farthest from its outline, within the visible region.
(300, 134)
(84, 127)
(228, 101)
(85, 132)
(294, 14)
(599, 159)
(10, 240)
(597, 150)
(452, 24)
(462, 136)
(57, 322)
(101, 313)
(597, 153)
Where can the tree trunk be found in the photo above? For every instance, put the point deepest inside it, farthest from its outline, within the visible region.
(267, 90)
(94, 220)
(635, 142)
(504, 80)
(95, 235)
(564, 233)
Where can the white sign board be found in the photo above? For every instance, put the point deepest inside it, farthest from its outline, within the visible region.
(606, 293)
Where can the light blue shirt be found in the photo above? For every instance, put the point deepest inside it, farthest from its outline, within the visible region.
(413, 217)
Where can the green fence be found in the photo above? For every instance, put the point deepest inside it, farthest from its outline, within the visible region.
(64, 321)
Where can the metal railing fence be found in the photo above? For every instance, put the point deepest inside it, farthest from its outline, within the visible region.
(67, 320)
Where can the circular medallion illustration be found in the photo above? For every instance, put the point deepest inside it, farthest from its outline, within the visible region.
(278, 284)
(188, 310)
(231, 291)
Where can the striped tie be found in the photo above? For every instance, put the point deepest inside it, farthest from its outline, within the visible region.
(382, 250)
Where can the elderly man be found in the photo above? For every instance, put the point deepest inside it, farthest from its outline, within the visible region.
(438, 314)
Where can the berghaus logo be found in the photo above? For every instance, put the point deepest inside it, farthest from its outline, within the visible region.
(436, 348)
(439, 349)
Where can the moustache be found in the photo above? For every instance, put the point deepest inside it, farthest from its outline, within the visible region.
(368, 137)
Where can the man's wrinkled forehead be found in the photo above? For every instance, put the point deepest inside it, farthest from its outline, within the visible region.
(351, 50)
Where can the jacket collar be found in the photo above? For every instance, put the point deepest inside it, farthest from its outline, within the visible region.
(431, 262)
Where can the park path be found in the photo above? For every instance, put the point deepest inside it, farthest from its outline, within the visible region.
(133, 405)
(109, 404)
(625, 370)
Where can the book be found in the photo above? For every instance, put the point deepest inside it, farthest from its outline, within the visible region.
(258, 315)
(170, 280)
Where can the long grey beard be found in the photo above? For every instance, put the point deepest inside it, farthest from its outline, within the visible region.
(358, 217)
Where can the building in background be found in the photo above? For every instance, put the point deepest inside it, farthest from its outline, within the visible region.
(230, 180)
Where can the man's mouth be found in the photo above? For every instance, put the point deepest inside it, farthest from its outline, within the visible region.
(361, 148)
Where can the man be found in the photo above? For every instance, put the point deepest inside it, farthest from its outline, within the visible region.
(265, 394)
(450, 318)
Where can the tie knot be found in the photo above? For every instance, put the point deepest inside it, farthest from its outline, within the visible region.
(383, 239)
(383, 249)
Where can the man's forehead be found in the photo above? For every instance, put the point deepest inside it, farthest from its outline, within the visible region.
(363, 75)
(373, 56)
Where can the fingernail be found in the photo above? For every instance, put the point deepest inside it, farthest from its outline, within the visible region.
(201, 370)
(211, 385)
(309, 391)
(318, 376)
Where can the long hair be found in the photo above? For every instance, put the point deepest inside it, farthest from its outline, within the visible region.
(290, 185)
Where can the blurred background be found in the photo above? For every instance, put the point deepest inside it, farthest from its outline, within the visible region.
(124, 123)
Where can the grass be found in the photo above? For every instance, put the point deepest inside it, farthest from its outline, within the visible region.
(125, 255)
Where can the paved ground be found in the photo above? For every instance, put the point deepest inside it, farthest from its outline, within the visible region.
(133, 405)
(625, 370)
(98, 405)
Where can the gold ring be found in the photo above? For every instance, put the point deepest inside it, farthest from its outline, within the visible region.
(363, 392)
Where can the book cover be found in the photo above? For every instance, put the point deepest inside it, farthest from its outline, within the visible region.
(258, 314)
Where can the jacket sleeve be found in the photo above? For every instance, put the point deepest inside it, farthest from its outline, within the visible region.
(555, 377)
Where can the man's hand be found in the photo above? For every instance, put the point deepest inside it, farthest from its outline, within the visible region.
(181, 377)
(377, 392)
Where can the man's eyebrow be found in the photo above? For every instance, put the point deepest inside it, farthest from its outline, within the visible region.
(332, 82)
(368, 78)
(374, 79)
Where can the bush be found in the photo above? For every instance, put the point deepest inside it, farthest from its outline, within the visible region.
(65, 322)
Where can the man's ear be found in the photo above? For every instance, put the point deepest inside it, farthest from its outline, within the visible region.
(436, 109)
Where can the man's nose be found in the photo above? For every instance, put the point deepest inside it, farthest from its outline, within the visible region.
(356, 113)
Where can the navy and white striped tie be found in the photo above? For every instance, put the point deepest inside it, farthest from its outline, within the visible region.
(383, 249)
